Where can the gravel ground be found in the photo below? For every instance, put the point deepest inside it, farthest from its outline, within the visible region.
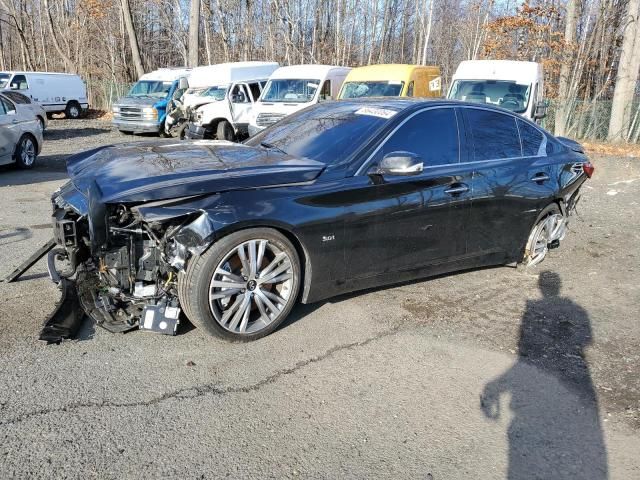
(491, 373)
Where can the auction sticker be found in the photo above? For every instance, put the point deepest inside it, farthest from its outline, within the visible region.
(376, 112)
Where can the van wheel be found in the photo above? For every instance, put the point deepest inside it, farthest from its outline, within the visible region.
(73, 110)
(224, 131)
(26, 152)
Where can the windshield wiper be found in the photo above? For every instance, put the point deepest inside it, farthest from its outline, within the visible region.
(271, 146)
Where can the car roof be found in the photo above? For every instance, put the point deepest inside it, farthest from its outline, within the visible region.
(414, 103)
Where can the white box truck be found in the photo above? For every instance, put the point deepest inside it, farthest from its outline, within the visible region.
(56, 92)
(293, 88)
(233, 90)
(516, 86)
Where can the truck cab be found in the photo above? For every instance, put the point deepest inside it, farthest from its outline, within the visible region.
(144, 108)
(516, 86)
(233, 90)
(392, 80)
(293, 88)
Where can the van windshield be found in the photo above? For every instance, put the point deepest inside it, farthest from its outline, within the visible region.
(216, 93)
(506, 94)
(384, 88)
(4, 78)
(150, 88)
(294, 90)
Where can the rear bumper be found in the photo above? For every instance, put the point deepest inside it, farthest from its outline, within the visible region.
(137, 126)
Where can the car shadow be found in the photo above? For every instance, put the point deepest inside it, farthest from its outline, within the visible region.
(68, 133)
(555, 429)
(47, 169)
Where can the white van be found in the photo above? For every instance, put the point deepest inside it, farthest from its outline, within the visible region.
(233, 89)
(516, 86)
(56, 92)
(293, 88)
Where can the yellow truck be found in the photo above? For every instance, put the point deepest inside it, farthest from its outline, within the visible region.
(392, 80)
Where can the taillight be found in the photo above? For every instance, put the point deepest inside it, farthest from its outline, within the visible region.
(588, 168)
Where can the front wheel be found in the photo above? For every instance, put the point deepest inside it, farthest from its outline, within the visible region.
(244, 286)
(73, 110)
(547, 232)
(224, 131)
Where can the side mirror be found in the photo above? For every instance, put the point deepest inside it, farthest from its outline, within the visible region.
(399, 164)
(183, 83)
(540, 110)
(14, 86)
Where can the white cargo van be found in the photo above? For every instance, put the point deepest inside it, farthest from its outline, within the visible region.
(516, 86)
(233, 89)
(293, 88)
(56, 92)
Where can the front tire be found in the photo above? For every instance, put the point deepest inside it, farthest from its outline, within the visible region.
(224, 131)
(26, 152)
(244, 286)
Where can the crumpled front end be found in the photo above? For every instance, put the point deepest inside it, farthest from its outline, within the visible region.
(123, 260)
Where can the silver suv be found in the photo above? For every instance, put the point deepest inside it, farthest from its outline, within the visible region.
(20, 134)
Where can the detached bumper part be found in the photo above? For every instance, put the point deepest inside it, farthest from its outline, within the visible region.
(195, 132)
(66, 319)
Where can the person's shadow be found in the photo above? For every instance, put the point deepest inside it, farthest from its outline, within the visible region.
(555, 430)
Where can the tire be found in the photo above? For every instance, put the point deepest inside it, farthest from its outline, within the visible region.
(246, 308)
(224, 131)
(549, 228)
(26, 152)
(73, 110)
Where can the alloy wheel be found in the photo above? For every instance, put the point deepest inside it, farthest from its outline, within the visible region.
(548, 230)
(251, 286)
(27, 152)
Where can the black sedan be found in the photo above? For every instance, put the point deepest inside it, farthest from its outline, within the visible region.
(338, 197)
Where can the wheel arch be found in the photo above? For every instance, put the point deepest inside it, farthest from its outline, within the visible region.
(33, 139)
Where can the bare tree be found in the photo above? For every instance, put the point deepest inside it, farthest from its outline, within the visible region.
(621, 107)
(571, 23)
(133, 38)
(194, 33)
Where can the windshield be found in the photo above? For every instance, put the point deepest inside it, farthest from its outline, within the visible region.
(327, 132)
(150, 88)
(390, 88)
(506, 94)
(217, 93)
(295, 90)
(4, 78)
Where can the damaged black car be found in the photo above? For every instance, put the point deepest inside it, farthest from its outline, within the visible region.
(338, 197)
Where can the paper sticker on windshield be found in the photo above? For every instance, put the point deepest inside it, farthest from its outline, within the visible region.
(376, 112)
(395, 82)
(312, 85)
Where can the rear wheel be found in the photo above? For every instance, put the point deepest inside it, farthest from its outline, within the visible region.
(73, 110)
(244, 286)
(26, 152)
(224, 131)
(547, 232)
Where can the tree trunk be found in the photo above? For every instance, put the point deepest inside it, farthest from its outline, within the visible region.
(573, 13)
(627, 76)
(133, 39)
(427, 34)
(194, 33)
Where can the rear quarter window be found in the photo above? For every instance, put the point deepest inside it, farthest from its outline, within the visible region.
(534, 142)
(494, 135)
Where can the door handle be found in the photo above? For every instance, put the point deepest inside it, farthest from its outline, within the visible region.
(457, 190)
(540, 177)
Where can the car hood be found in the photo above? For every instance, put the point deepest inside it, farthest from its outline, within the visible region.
(159, 170)
(138, 101)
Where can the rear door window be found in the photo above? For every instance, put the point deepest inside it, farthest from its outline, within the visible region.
(534, 142)
(494, 135)
(432, 134)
